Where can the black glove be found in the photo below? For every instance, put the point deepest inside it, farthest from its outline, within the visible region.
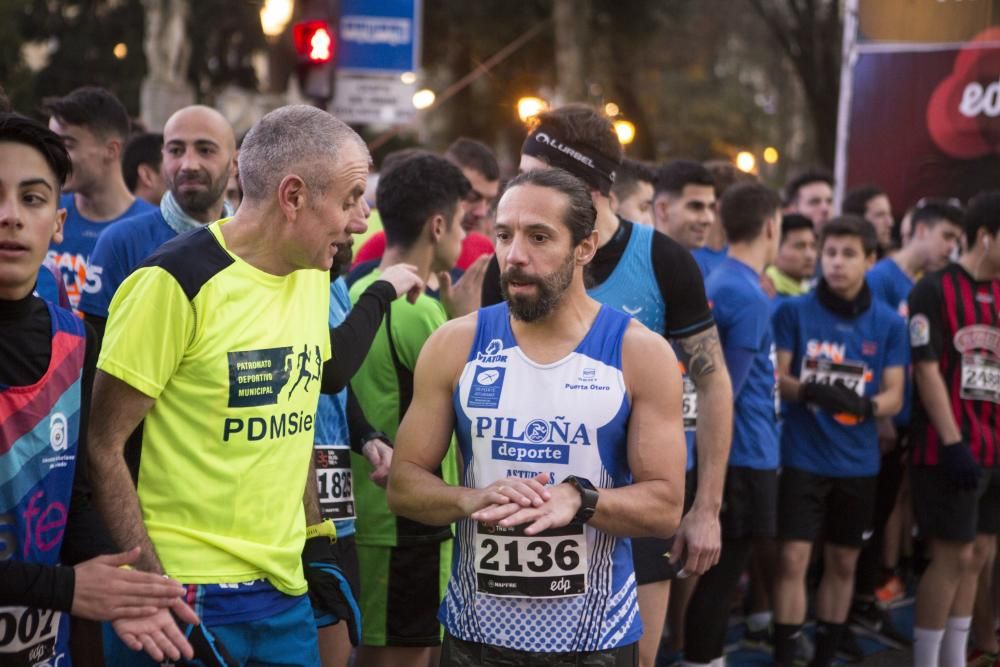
(836, 397)
(329, 590)
(961, 468)
(209, 650)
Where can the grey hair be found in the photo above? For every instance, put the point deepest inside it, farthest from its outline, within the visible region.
(293, 138)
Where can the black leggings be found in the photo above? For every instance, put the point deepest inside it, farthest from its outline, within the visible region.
(708, 611)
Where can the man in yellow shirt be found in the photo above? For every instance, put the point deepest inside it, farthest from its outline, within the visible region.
(219, 343)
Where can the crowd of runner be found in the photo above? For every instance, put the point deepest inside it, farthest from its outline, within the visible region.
(584, 415)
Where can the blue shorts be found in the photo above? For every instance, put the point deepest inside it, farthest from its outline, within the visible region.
(288, 638)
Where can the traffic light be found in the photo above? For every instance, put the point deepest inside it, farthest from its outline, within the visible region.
(315, 47)
(314, 41)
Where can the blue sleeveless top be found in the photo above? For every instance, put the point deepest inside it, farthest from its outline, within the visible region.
(632, 288)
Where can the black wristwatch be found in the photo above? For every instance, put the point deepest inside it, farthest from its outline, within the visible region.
(588, 497)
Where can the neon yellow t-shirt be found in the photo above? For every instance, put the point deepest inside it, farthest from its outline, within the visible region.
(233, 357)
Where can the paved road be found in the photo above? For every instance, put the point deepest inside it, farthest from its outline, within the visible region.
(889, 659)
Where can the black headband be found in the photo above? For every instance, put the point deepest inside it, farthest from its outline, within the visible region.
(594, 169)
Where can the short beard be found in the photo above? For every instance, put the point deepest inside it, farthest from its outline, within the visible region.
(551, 289)
(342, 260)
(194, 203)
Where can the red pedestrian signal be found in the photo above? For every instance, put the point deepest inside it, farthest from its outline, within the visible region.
(313, 41)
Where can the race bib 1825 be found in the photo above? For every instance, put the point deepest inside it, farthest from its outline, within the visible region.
(333, 475)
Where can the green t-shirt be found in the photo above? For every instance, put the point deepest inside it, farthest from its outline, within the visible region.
(233, 357)
(376, 386)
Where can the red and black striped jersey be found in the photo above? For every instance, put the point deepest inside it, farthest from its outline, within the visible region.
(955, 320)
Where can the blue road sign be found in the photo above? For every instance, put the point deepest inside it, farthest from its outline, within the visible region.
(379, 36)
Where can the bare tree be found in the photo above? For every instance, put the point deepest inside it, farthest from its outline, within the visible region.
(571, 19)
(168, 51)
(809, 32)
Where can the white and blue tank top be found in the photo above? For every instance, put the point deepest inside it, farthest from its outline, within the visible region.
(566, 590)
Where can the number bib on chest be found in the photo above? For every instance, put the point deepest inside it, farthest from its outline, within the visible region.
(333, 474)
(689, 405)
(980, 378)
(28, 636)
(548, 565)
(824, 371)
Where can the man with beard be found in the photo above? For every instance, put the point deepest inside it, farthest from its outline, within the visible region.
(654, 279)
(567, 414)
(198, 156)
(93, 125)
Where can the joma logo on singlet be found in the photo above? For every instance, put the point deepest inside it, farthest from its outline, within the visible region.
(537, 441)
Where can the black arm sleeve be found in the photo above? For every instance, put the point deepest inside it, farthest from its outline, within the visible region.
(36, 585)
(682, 288)
(491, 284)
(98, 324)
(357, 423)
(86, 536)
(350, 341)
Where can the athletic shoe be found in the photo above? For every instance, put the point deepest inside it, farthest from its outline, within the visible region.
(757, 640)
(891, 591)
(804, 650)
(872, 619)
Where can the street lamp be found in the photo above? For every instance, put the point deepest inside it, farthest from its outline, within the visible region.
(611, 109)
(771, 155)
(745, 161)
(423, 98)
(529, 107)
(275, 15)
(625, 131)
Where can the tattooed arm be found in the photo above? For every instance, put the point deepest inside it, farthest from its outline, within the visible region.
(699, 531)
